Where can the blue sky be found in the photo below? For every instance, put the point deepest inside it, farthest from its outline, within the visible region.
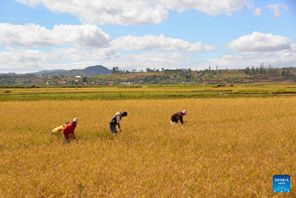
(52, 34)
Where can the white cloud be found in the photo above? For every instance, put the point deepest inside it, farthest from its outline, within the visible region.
(35, 35)
(27, 60)
(158, 59)
(31, 47)
(24, 60)
(243, 60)
(260, 42)
(32, 35)
(257, 11)
(276, 9)
(258, 48)
(137, 11)
(152, 59)
(150, 42)
(12, 60)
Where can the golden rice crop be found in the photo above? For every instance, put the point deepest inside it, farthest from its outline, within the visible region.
(227, 147)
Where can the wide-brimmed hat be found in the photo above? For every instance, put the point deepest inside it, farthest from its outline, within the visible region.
(75, 120)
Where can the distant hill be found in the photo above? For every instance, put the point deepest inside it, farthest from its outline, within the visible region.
(88, 71)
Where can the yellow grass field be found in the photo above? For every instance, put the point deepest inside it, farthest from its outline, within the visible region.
(227, 148)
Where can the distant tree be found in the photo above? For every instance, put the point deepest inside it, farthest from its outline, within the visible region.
(253, 71)
(84, 79)
(286, 73)
(149, 70)
(115, 69)
(247, 71)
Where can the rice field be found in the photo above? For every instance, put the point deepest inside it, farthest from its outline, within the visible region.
(228, 147)
(147, 92)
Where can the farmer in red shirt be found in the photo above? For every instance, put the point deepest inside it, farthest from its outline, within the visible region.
(69, 130)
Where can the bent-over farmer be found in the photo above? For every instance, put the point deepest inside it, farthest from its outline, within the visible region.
(69, 131)
(176, 117)
(115, 121)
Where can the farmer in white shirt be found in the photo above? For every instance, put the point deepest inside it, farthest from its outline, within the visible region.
(115, 121)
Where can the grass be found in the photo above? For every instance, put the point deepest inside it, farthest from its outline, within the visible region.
(228, 147)
(146, 92)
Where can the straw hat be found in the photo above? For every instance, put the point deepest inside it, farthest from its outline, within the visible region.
(75, 120)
